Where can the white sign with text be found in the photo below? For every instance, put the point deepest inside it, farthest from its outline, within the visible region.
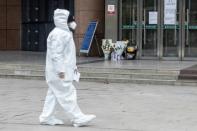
(170, 9)
(153, 17)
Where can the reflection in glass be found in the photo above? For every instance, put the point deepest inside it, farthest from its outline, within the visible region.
(191, 28)
(171, 36)
(129, 21)
(149, 32)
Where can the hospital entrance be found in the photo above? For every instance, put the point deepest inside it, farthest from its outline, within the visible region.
(162, 29)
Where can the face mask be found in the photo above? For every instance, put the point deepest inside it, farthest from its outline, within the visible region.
(72, 25)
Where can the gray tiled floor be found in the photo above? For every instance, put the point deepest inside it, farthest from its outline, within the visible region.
(145, 64)
(38, 58)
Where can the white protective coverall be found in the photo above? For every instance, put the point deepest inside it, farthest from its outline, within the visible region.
(61, 57)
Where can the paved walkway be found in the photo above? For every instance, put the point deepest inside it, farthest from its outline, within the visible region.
(143, 64)
(38, 58)
(119, 107)
(35, 58)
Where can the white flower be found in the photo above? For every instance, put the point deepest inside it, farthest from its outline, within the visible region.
(106, 45)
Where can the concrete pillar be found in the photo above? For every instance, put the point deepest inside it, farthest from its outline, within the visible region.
(111, 20)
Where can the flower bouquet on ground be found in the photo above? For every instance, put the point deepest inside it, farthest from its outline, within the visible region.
(106, 47)
(119, 48)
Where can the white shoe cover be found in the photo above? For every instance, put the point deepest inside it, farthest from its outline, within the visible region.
(83, 121)
(52, 122)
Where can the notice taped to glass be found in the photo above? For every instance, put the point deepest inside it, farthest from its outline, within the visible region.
(170, 9)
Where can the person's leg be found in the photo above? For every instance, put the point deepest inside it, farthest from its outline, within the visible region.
(47, 116)
(65, 93)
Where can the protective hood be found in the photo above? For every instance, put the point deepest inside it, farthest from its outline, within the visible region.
(60, 18)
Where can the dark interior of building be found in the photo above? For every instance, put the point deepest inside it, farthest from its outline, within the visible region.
(37, 21)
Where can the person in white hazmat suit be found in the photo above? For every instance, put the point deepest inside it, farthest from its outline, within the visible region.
(60, 71)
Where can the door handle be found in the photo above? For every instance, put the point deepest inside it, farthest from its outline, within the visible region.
(175, 29)
(187, 31)
(144, 26)
(133, 30)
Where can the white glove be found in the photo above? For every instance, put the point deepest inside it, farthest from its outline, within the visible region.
(76, 75)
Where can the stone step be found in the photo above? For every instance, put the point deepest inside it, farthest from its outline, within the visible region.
(115, 80)
(91, 69)
(108, 75)
(22, 72)
(127, 71)
(141, 81)
(111, 80)
(28, 77)
(136, 81)
(130, 75)
(22, 66)
(112, 75)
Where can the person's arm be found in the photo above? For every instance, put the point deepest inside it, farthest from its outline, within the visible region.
(57, 55)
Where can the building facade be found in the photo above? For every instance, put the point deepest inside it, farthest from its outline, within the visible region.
(25, 24)
(162, 29)
(10, 24)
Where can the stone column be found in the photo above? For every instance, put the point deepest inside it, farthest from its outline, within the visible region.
(111, 20)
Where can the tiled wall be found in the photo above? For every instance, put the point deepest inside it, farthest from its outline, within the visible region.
(10, 19)
(86, 11)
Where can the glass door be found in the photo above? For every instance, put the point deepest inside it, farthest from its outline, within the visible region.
(129, 21)
(190, 30)
(165, 29)
(149, 44)
(171, 43)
